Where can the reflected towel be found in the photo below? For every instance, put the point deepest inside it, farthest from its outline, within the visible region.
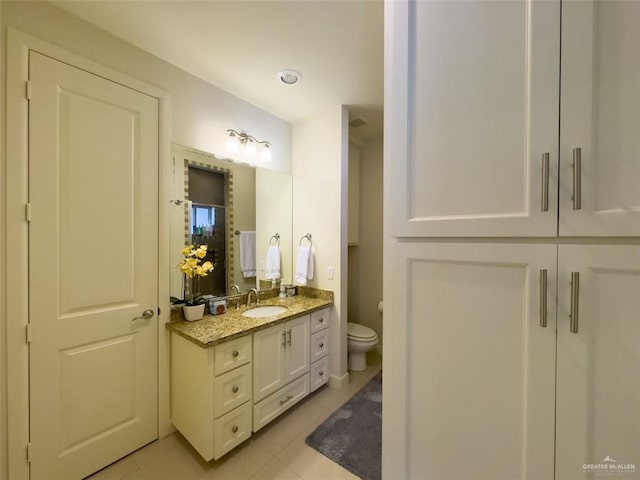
(248, 254)
(304, 265)
(272, 263)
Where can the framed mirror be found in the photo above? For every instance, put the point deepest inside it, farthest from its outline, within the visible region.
(213, 201)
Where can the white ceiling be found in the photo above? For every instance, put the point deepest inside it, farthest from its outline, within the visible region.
(240, 46)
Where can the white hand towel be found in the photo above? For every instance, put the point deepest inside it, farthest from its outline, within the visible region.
(304, 265)
(248, 254)
(272, 263)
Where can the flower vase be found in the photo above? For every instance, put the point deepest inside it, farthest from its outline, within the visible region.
(193, 312)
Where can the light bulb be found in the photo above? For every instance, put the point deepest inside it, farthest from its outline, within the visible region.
(233, 143)
(265, 156)
(250, 148)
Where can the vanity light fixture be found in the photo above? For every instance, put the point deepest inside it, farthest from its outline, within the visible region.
(249, 144)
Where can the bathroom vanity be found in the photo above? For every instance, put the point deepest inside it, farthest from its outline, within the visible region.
(231, 374)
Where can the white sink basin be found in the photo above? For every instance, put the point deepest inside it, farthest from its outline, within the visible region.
(265, 311)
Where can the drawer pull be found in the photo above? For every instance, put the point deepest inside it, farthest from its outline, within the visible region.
(234, 429)
(321, 320)
(322, 345)
(289, 334)
(235, 389)
(289, 397)
(321, 373)
(235, 353)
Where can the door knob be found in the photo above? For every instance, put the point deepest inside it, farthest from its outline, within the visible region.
(146, 315)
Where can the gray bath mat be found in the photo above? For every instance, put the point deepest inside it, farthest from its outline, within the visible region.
(352, 435)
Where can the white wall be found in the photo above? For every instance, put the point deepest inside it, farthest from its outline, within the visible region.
(320, 162)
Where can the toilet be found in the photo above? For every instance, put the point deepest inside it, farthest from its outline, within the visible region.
(360, 340)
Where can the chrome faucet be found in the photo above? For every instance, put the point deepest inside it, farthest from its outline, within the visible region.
(253, 290)
(236, 288)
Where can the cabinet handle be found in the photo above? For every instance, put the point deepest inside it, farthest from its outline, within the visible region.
(575, 297)
(544, 202)
(322, 345)
(321, 373)
(284, 339)
(577, 178)
(235, 353)
(234, 429)
(543, 298)
(235, 389)
(321, 320)
(289, 397)
(289, 333)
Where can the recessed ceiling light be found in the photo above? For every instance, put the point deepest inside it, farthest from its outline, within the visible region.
(289, 77)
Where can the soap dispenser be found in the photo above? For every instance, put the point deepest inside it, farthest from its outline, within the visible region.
(283, 291)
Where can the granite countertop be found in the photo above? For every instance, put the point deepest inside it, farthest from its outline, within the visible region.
(215, 329)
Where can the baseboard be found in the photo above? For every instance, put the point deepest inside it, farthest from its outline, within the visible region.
(339, 382)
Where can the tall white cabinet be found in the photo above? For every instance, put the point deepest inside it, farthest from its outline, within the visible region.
(512, 210)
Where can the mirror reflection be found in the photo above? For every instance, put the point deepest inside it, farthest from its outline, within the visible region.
(220, 203)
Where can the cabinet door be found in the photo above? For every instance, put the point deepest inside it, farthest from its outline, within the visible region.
(600, 116)
(297, 351)
(471, 109)
(268, 361)
(598, 405)
(476, 397)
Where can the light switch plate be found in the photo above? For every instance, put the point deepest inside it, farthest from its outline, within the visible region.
(330, 273)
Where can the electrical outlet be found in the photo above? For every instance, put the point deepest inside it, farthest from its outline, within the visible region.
(330, 273)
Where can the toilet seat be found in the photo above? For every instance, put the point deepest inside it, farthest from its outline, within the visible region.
(360, 332)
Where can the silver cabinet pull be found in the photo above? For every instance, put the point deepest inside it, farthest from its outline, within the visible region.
(146, 315)
(284, 339)
(289, 397)
(235, 389)
(234, 429)
(543, 298)
(575, 301)
(235, 353)
(289, 334)
(544, 202)
(577, 178)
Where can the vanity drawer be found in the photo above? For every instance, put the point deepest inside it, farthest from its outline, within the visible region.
(231, 429)
(231, 389)
(230, 355)
(319, 320)
(319, 345)
(319, 374)
(277, 403)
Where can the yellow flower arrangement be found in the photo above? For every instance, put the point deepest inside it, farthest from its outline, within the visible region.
(191, 268)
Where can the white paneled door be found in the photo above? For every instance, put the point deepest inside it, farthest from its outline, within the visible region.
(598, 396)
(600, 122)
(472, 90)
(475, 342)
(93, 254)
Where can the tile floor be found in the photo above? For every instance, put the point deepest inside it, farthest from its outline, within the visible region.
(277, 452)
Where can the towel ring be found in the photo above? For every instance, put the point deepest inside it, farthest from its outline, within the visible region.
(276, 237)
(308, 237)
